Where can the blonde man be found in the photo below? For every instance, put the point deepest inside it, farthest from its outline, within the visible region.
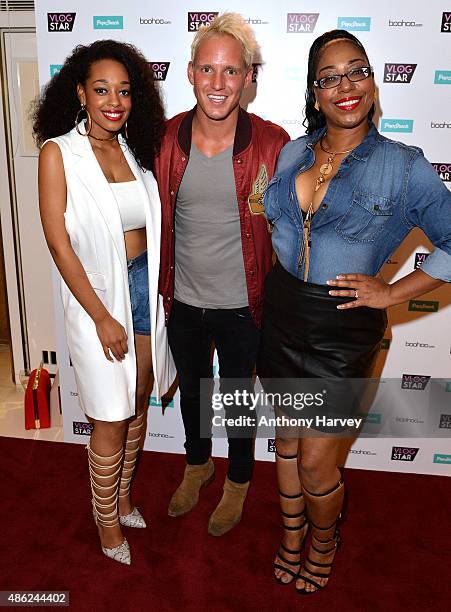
(216, 249)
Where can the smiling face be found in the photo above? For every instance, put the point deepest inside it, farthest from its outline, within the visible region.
(346, 105)
(106, 94)
(218, 76)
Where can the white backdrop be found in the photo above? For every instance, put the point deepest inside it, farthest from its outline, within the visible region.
(409, 47)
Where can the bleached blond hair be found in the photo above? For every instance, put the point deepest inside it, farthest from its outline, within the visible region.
(234, 25)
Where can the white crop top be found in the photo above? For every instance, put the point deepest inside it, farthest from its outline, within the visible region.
(130, 204)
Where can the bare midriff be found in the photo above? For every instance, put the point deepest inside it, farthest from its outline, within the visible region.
(135, 242)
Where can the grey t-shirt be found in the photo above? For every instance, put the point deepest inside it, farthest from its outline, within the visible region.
(209, 266)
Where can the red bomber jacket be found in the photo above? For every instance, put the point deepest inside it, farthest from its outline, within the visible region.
(256, 148)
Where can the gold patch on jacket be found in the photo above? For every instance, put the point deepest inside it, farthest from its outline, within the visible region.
(255, 200)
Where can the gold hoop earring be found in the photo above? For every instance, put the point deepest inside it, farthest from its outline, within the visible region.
(78, 121)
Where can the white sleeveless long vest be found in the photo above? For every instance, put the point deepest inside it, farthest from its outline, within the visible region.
(107, 389)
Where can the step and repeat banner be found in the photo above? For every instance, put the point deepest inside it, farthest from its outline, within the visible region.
(409, 47)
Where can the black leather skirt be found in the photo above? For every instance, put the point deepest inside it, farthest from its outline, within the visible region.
(305, 336)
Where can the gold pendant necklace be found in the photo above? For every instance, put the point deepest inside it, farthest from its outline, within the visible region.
(324, 170)
(327, 168)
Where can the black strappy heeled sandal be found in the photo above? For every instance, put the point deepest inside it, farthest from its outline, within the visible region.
(292, 567)
(309, 571)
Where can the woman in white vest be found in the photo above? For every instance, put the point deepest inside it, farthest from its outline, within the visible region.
(99, 121)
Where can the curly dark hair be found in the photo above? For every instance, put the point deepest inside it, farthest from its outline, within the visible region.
(55, 111)
(315, 119)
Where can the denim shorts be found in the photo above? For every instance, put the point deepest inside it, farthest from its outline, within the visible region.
(138, 281)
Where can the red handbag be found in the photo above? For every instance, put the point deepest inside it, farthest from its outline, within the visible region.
(37, 400)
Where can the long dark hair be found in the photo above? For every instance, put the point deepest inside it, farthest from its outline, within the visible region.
(315, 119)
(56, 109)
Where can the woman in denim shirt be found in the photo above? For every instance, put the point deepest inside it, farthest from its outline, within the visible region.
(342, 200)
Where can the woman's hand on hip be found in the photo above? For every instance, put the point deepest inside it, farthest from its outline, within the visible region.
(113, 337)
(371, 291)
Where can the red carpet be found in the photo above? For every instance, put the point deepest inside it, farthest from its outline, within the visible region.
(395, 554)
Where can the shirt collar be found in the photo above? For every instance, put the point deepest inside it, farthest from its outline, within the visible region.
(362, 152)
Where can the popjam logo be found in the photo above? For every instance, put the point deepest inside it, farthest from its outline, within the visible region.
(397, 125)
(441, 458)
(443, 169)
(400, 453)
(420, 258)
(399, 73)
(404, 24)
(415, 382)
(373, 418)
(108, 22)
(271, 445)
(445, 421)
(197, 20)
(442, 77)
(423, 306)
(82, 429)
(160, 70)
(54, 69)
(301, 23)
(153, 21)
(154, 403)
(60, 22)
(354, 24)
(446, 21)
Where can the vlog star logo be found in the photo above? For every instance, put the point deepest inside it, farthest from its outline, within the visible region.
(400, 453)
(445, 421)
(160, 70)
(420, 258)
(446, 22)
(197, 20)
(301, 23)
(414, 382)
(80, 428)
(399, 73)
(60, 22)
(255, 69)
(443, 169)
(271, 445)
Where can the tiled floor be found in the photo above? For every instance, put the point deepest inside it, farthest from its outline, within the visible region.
(11, 407)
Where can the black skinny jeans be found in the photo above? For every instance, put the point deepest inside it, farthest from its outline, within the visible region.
(191, 333)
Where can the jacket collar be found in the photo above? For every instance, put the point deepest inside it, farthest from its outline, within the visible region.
(81, 146)
(362, 152)
(243, 132)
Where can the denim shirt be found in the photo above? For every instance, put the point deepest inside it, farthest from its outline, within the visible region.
(381, 191)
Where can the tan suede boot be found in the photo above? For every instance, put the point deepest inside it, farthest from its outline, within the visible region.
(186, 495)
(228, 512)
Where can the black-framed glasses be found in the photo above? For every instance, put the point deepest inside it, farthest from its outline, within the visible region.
(354, 75)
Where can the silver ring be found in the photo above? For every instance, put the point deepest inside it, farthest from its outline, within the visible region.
(356, 295)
